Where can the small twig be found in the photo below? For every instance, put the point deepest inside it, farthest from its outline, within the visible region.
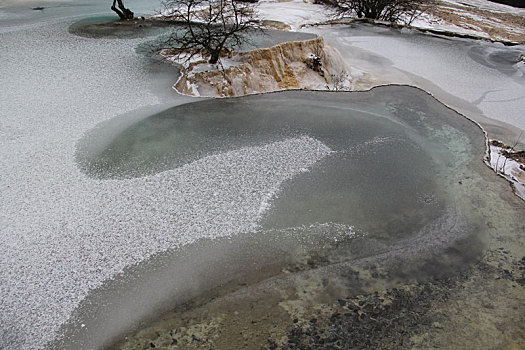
(518, 140)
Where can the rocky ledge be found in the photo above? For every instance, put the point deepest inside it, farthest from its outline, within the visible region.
(309, 64)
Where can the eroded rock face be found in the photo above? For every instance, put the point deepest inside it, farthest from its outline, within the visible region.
(309, 64)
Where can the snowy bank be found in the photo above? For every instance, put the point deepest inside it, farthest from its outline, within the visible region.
(295, 13)
(509, 164)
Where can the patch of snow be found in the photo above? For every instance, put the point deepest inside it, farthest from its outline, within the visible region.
(295, 13)
(193, 88)
(222, 64)
(428, 21)
(474, 16)
(509, 169)
(183, 59)
(199, 63)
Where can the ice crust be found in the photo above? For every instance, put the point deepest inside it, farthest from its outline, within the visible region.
(463, 69)
(62, 233)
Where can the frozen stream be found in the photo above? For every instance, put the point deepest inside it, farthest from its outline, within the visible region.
(90, 184)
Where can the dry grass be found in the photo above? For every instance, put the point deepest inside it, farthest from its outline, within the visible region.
(498, 25)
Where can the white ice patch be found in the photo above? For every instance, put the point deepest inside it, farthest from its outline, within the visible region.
(436, 66)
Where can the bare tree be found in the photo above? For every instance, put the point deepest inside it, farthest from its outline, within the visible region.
(212, 26)
(387, 10)
(123, 12)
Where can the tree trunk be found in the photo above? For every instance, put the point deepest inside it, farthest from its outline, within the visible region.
(124, 13)
(214, 58)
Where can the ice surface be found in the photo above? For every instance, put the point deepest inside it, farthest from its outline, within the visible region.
(54, 88)
(20, 14)
(461, 73)
(63, 233)
(95, 229)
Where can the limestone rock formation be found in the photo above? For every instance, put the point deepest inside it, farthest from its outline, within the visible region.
(309, 64)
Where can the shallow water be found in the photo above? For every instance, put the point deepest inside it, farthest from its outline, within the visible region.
(387, 176)
(366, 138)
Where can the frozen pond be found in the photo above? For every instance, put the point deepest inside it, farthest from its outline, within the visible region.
(28, 14)
(109, 182)
(482, 80)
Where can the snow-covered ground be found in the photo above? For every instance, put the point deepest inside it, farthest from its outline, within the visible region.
(487, 5)
(295, 13)
(429, 21)
(477, 18)
(482, 19)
